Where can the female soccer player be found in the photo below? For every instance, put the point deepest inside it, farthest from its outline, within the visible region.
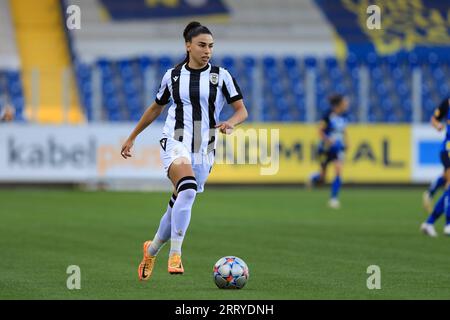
(7, 114)
(442, 205)
(199, 91)
(333, 142)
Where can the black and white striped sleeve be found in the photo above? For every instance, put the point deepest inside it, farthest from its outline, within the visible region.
(230, 88)
(163, 94)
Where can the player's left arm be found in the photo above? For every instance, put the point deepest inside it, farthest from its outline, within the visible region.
(239, 116)
(233, 96)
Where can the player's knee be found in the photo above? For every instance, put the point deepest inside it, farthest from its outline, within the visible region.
(187, 188)
(188, 195)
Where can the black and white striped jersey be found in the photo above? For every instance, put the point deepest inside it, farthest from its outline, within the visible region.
(198, 97)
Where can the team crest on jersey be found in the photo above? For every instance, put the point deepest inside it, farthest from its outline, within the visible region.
(214, 78)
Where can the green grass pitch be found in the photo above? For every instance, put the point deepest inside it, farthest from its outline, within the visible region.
(295, 247)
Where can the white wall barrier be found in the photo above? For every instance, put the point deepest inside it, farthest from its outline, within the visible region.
(426, 144)
(91, 153)
(30, 153)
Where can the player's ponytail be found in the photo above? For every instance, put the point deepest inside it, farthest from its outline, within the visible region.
(193, 29)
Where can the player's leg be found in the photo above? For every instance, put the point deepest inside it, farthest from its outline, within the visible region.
(318, 178)
(442, 205)
(202, 170)
(151, 248)
(164, 229)
(428, 195)
(436, 185)
(183, 178)
(447, 202)
(336, 185)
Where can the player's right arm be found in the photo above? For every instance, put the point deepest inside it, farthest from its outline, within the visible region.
(147, 118)
(439, 114)
(152, 112)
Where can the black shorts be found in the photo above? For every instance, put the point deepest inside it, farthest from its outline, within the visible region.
(445, 159)
(325, 157)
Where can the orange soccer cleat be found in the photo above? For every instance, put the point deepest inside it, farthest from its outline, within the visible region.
(175, 266)
(145, 268)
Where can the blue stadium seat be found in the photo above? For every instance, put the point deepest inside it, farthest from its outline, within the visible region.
(371, 59)
(392, 61)
(310, 62)
(352, 61)
(283, 83)
(145, 62)
(413, 59)
(228, 62)
(331, 62)
(249, 62)
(269, 62)
(165, 62)
(290, 62)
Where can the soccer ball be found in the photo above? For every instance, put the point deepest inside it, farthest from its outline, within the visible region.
(230, 273)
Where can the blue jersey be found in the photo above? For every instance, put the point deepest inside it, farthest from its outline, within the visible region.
(441, 113)
(334, 128)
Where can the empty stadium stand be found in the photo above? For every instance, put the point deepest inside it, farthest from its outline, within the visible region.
(10, 78)
(43, 51)
(286, 67)
(283, 85)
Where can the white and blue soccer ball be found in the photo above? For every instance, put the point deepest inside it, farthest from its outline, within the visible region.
(230, 273)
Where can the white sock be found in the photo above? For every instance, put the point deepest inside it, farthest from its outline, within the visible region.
(181, 212)
(156, 245)
(164, 230)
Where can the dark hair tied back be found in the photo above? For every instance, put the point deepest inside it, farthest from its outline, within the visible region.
(193, 29)
(335, 100)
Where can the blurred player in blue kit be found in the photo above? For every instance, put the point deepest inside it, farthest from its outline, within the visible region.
(442, 205)
(333, 143)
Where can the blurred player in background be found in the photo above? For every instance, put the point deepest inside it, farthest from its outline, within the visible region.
(7, 114)
(442, 205)
(199, 91)
(333, 143)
